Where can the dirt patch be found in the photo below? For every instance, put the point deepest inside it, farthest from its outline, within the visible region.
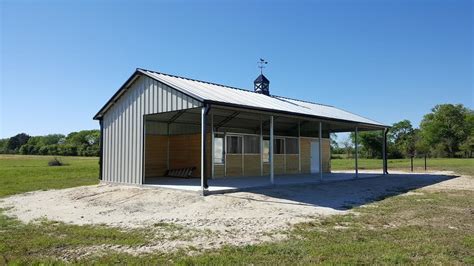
(183, 219)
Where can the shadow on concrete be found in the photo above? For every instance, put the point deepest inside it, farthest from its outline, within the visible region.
(344, 194)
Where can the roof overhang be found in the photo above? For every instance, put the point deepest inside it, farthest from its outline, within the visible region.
(268, 111)
(297, 116)
(124, 88)
(117, 95)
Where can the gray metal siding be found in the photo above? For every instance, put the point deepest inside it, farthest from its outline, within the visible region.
(123, 127)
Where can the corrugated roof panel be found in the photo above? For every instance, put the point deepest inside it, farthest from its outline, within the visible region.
(229, 95)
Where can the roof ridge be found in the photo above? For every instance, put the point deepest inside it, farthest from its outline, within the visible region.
(299, 100)
(202, 81)
(231, 87)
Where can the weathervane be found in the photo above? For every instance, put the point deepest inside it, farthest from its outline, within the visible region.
(261, 65)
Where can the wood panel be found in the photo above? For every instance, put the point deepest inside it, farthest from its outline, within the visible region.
(279, 164)
(156, 157)
(292, 163)
(219, 170)
(234, 165)
(306, 155)
(185, 151)
(251, 165)
(326, 155)
(208, 155)
(266, 168)
(290, 166)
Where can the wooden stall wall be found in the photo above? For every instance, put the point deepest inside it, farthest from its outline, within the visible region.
(306, 155)
(185, 151)
(292, 164)
(156, 155)
(234, 165)
(219, 171)
(251, 164)
(326, 155)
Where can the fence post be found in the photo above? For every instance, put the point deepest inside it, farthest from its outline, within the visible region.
(425, 161)
(411, 160)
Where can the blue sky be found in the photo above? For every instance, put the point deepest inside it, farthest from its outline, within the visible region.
(386, 60)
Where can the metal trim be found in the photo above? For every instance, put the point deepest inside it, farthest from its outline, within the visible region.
(320, 150)
(271, 159)
(269, 111)
(143, 148)
(299, 148)
(356, 153)
(101, 149)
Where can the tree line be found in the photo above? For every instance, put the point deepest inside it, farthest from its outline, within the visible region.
(82, 143)
(447, 131)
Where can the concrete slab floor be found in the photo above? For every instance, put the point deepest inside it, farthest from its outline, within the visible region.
(232, 184)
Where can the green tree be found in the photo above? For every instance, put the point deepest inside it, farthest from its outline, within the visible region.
(421, 145)
(446, 127)
(85, 141)
(3, 145)
(348, 147)
(334, 144)
(371, 143)
(36, 144)
(84, 137)
(402, 139)
(15, 142)
(467, 147)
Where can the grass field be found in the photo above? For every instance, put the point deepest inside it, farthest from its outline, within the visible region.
(425, 228)
(27, 173)
(461, 166)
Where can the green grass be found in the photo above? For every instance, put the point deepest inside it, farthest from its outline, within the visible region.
(427, 228)
(395, 230)
(408, 230)
(27, 173)
(461, 166)
(47, 241)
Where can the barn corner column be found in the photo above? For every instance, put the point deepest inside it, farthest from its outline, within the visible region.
(212, 146)
(356, 153)
(204, 111)
(261, 147)
(320, 151)
(101, 148)
(272, 181)
(299, 146)
(384, 155)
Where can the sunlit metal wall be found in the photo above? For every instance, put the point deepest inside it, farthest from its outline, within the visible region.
(124, 126)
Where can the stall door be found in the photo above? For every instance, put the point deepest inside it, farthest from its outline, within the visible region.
(315, 157)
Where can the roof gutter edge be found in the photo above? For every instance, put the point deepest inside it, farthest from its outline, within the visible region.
(381, 126)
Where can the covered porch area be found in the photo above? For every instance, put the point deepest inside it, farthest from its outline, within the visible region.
(233, 148)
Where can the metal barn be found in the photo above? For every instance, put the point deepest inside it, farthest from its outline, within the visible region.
(164, 129)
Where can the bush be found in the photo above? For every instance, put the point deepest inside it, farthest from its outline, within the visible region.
(28, 149)
(43, 150)
(55, 162)
(67, 150)
(85, 150)
(83, 143)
